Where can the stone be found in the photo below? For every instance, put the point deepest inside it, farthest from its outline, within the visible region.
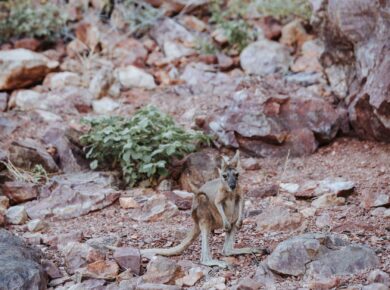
(182, 199)
(37, 225)
(58, 138)
(129, 51)
(345, 261)
(127, 202)
(62, 80)
(375, 286)
(4, 202)
(247, 284)
(215, 283)
(25, 99)
(105, 105)
(289, 187)
(21, 67)
(20, 191)
(192, 277)
(78, 255)
(104, 242)
(319, 256)
(324, 220)
(172, 38)
(154, 286)
(162, 270)
(273, 126)
(378, 276)
(51, 269)
(328, 200)
(133, 77)
(74, 194)
(156, 208)
(128, 258)
(27, 153)
(278, 219)
(360, 57)
(309, 59)
(250, 163)
(271, 27)
(193, 23)
(107, 270)
(336, 186)
(294, 34)
(27, 43)
(20, 266)
(265, 57)
(264, 276)
(90, 284)
(375, 199)
(200, 168)
(16, 215)
(101, 83)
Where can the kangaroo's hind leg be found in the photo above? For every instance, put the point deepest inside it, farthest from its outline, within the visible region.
(206, 257)
(228, 248)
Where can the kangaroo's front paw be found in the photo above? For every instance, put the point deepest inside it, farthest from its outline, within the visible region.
(239, 224)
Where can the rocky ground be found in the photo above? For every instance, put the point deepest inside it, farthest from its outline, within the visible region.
(306, 104)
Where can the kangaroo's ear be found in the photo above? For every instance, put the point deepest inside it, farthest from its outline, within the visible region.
(236, 159)
(224, 163)
(220, 172)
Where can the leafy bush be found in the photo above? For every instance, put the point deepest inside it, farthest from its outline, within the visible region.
(285, 8)
(141, 146)
(22, 18)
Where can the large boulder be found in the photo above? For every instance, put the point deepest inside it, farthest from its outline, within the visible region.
(357, 60)
(27, 153)
(20, 267)
(320, 256)
(21, 67)
(72, 195)
(267, 121)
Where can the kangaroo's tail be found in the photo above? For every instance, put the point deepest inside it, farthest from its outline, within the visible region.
(177, 250)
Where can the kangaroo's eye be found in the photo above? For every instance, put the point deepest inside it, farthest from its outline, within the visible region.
(224, 175)
(236, 174)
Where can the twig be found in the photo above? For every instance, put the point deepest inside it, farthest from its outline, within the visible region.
(284, 170)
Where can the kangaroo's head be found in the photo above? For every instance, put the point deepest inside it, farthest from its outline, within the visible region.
(229, 172)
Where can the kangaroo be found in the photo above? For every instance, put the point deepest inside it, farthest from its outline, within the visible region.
(219, 203)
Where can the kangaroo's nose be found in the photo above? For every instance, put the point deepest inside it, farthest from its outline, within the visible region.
(232, 184)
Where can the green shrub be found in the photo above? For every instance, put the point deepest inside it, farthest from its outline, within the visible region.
(141, 146)
(22, 18)
(285, 8)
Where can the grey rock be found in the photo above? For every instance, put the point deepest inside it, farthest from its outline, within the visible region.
(265, 57)
(27, 153)
(20, 267)
(375, 286)
(128, 258)
(16, 215)
(72, 195)
(319, 256)
(161, 270)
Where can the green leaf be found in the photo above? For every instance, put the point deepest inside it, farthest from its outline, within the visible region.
(93, 164)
